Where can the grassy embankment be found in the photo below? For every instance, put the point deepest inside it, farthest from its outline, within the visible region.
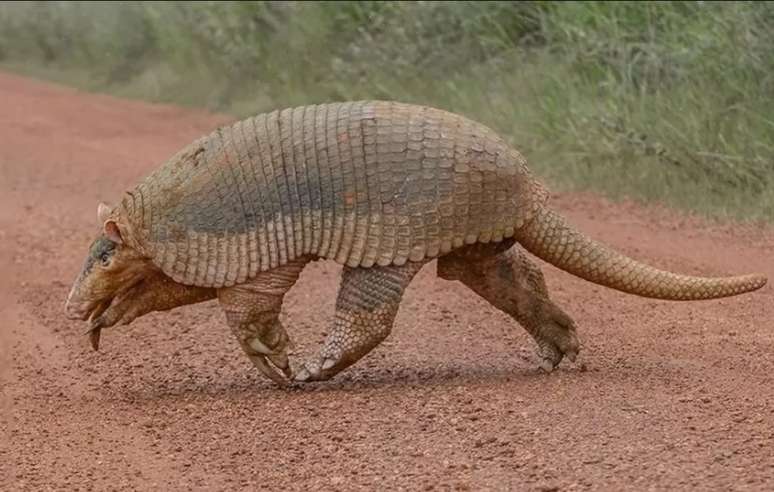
(667, 102)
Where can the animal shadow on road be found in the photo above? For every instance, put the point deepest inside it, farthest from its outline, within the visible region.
(356, 381)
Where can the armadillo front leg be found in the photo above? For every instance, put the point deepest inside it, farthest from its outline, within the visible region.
(513, 283)
(156, 292)
(252, 312)
(366, 307)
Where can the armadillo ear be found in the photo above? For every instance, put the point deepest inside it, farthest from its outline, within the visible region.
(112, 232)
(103, 212)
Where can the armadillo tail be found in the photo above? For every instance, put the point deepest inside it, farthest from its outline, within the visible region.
(550, 238)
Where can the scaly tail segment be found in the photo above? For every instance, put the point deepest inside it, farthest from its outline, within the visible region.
(550, 238)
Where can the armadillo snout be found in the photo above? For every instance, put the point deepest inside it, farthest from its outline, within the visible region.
(76, 310)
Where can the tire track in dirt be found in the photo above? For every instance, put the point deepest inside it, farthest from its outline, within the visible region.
(668, 395)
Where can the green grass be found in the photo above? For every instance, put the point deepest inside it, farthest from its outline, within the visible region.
(671, 102)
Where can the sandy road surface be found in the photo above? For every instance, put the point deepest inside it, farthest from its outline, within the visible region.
(666, 395)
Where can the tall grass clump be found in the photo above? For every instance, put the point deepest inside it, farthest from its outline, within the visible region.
(662, 101)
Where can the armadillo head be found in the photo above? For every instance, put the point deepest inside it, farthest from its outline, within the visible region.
(110, 273)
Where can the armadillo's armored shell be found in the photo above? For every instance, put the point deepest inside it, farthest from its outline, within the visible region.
(361, 183)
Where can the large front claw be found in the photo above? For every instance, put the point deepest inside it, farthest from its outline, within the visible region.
(265, 364)
(268, 352)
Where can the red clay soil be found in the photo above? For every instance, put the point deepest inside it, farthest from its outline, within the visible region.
(665, 395)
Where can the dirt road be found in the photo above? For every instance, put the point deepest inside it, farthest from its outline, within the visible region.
(664, 396)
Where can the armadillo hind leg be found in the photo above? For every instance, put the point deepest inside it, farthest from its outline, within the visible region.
(366, 307)
(252, 312)
(514, 284)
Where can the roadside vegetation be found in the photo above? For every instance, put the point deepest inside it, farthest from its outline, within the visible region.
(657, 101)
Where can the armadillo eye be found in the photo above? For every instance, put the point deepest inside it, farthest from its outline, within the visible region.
(104, 259)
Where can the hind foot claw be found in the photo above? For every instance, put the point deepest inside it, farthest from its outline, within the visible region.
(556, 338)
